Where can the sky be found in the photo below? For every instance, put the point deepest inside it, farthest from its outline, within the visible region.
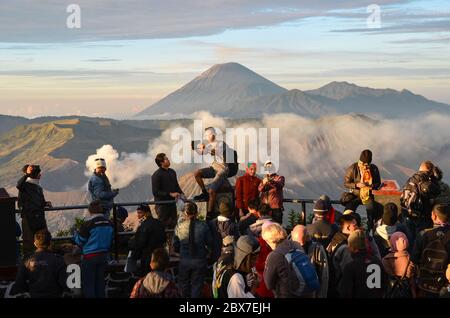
(126, 55)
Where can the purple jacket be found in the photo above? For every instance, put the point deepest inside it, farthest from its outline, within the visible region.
(272, 192)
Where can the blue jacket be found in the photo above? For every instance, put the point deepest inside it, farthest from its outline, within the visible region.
(100, 189)
(95, 235)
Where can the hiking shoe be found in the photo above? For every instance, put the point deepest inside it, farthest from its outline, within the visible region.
(202, 197)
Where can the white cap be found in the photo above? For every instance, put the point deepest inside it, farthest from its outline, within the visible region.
(269, 167)
(100, 162)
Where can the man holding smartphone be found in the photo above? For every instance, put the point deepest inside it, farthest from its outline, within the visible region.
(218, 171)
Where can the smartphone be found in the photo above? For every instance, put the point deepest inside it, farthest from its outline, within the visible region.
(195, 143)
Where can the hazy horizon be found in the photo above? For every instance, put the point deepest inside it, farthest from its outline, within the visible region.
(117, 65)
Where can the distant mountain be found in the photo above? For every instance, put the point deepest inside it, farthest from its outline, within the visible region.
(345, 97)
(293, 101)
(62, 147)
(219, 90)
(10, 122)
(234, 91)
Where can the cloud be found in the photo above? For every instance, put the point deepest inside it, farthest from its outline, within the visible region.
(440, 40)
(44, 21)
(102, 59)
(315, 156)
(438, 25)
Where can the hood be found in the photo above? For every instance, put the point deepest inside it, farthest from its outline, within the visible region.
(385, 231)
(33, 181)
(156, 282)
(256, 227)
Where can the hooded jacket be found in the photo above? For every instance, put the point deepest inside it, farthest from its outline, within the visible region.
(246, 190)
(156, 284)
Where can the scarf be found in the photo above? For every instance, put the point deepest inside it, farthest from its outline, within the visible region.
(366, 177)
(33, 181)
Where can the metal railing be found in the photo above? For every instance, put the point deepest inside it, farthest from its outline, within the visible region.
(118, 234)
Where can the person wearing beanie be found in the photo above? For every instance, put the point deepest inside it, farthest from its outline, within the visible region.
(149, 236)
(333, 215)
(360, 270)
(223, 226)
(271, 189)
(240, 281)
(360, 179)
(42, 275)
(399, 268)
(95, 238)
(386, 227)
(321, 230)
(99, 187)
(32, 204)
(247, 188)
(193, 241)
(165, 187)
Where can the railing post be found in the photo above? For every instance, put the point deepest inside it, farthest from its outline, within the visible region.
(116, 236)
(304, 212)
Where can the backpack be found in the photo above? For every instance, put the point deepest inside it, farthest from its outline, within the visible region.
(233, 167)
(399, 287)
(305, 272)
(419, 188)
(434, 262)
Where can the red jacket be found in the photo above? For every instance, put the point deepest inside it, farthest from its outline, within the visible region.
(262, 290)
(272, 192)
(246, 189)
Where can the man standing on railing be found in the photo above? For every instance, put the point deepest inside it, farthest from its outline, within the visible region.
(165, 187)
(31, 203)
(99, 187)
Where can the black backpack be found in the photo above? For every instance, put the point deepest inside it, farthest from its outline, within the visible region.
(434, 261)
(420, 188)
(399, 287)
(233, 167)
